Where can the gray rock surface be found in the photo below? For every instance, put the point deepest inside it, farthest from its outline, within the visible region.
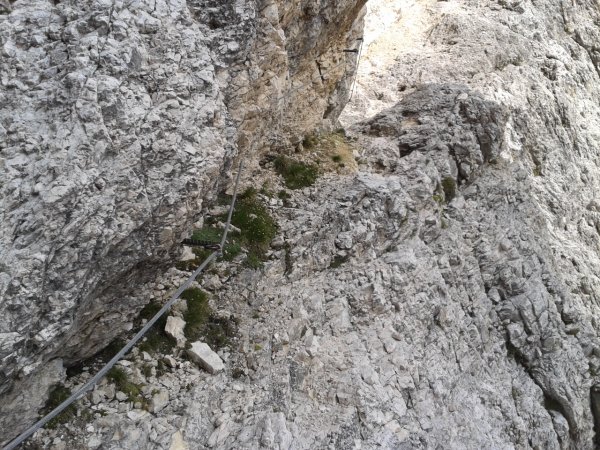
(445, 296)
(118, 120)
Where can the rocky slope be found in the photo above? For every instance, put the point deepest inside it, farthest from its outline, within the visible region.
(445, 295)
(117, 121)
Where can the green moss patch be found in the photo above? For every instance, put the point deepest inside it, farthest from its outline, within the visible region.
(257, 230)
(202, 324)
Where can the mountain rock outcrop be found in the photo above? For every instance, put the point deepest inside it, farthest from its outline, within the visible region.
(117, 121)
(443, 295)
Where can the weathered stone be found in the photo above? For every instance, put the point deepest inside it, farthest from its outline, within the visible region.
(159, 400)
(202, 355)
(177, 442)
(175, 328)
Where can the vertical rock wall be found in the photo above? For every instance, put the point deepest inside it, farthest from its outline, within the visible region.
(117, 121)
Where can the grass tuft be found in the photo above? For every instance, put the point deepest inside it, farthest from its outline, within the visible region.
(257, 227)
(197, 314)
(202, 324)
(156, 340)
(121, 380)
(58, 394)
(338, 260)
(310, 141)
(297, 175)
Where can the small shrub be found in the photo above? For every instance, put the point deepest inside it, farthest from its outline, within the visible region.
(257, 226)
(449, 187)
(296, 175)
(266, 190)
(310, 141)
(59, 394)
(253, 261)
(336, 158)
(161, 368)
(210, 234)
(219, 332)
(147, 370)
(121, 380)
(202, 324)
(231, 251)
(117, 376)
(257, 347)
(338, 261)
(156, 340)
(197, 314)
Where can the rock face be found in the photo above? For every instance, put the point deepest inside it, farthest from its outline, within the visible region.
(446, 295)
(117, 121)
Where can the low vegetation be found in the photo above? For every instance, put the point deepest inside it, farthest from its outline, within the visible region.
(59, 394)
(449, 188)
(202, 324)
(296, 174)
(156, 340)
(338, 260)
(121, 380)
(257, 230)
(258, 227)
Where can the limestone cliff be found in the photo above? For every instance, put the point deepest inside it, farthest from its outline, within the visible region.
(118, 120)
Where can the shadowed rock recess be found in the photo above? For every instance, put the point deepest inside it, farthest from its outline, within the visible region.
(441, 291)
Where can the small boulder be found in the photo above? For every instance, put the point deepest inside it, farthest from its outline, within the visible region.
(187, 254)
(202, 355)
(174, 328)
(159, 400)
(177, 442)
(97, 396)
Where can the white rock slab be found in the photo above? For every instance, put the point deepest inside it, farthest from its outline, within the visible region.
(202, 355)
